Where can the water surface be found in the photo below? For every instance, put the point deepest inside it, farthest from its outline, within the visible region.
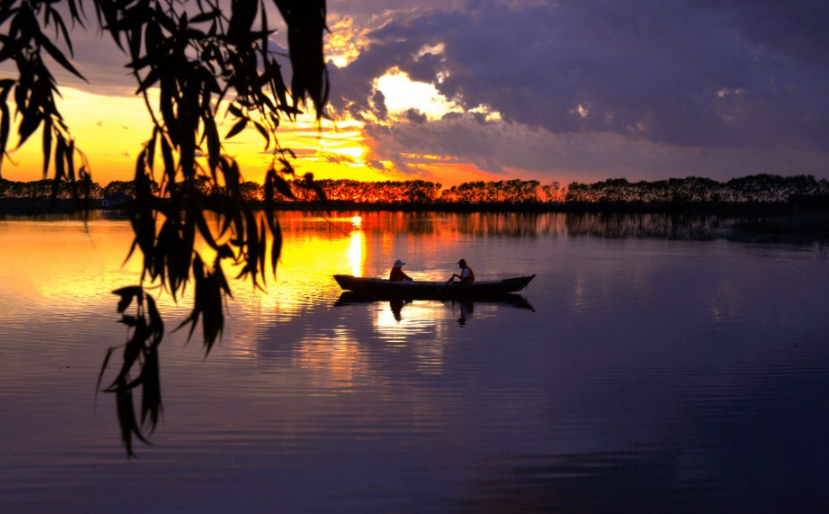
(649, 369)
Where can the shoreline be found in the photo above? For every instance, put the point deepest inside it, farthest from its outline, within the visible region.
(26, 207)
(769, 222)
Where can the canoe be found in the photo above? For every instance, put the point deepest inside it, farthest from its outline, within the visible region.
(425, 289)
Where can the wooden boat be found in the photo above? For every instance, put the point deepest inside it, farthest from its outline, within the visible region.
(380, 287)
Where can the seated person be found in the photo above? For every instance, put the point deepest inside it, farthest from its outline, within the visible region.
(466, 276)
(397, 274)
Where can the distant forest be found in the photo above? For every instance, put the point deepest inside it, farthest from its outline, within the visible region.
(761, 189)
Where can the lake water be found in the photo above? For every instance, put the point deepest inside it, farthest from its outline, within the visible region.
(655, 366)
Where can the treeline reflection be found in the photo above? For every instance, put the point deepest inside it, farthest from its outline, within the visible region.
(659, 226)
(764, 225)
(804, 227)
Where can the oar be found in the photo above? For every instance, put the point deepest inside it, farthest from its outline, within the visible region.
(444, 285)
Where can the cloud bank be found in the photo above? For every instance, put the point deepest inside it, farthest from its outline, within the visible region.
(570, 89)
(601, 87)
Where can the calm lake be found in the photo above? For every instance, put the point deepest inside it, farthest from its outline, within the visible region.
(654, 365)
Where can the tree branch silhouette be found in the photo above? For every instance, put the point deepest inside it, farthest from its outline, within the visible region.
(203, 61)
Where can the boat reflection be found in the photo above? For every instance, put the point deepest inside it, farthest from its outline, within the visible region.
(464, 307)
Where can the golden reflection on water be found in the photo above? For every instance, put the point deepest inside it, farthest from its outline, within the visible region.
(416, 327)
(355, 248)
(335, 362)
(302, 298)
(61, 266)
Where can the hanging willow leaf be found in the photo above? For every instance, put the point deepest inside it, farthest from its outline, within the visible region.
(5, 124)
(28, 125)
(238, 127)
(127, 294)
(103, 369)
(195, 69)
(264, 133)
(156, 325)
(310, 182)
(47, 145)
(151, 389)
(58, 55)
(283, 187)
(269, 192)
(206, 16)
(242, 15)
(126, 417)
(276, 246)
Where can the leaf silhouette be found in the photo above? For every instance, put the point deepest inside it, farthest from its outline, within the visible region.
(197, 55)
(127, 294)
(151, 389)
(283, 187)
(238, 127)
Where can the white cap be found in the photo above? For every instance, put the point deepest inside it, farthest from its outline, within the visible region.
(399, 263)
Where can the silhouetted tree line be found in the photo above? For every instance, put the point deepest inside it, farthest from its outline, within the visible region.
(751, 189)
(759, 189)
(43, 189)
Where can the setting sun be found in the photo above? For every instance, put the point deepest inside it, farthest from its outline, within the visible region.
(402, 93)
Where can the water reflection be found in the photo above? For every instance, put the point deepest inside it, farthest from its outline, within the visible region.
(677, 374)
(467, 309)
(422, 310)
(355, 248)
(774, 227)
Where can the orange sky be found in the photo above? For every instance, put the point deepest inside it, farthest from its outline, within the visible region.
(111, 129)
(110, 124)
(425, 90)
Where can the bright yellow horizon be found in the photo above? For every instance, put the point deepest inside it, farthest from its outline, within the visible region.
(111, 129)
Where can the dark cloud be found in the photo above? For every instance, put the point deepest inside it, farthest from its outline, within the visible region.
(797, 30)
(690, 74)
(502, 149)
(415, 116)
(378, 105)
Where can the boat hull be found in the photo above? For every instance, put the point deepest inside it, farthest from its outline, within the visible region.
(425, 290)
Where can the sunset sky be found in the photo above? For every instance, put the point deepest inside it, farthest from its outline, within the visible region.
(585, 90)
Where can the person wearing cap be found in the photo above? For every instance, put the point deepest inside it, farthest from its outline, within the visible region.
(397, 274)
(467, 276)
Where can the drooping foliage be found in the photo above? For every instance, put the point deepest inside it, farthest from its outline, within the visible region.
(204, 60)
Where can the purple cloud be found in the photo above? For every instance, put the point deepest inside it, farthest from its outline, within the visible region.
(687, 74)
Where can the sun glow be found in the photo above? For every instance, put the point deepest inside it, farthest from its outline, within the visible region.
(355, 249)
(343, 42)
(109, 130)
(402, 93)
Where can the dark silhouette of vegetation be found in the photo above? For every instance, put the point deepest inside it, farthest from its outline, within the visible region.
(518, 195)
(751, 189)
(204, 61)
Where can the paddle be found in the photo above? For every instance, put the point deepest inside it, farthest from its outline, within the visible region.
(444, 285)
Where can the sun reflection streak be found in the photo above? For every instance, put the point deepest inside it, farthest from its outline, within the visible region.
(355, 248)
(399, 325)
(336, 361)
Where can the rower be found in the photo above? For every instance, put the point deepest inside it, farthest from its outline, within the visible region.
(467, 276)
(397, 274)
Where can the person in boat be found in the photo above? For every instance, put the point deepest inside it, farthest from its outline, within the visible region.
(467, 276)
(397, 274)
